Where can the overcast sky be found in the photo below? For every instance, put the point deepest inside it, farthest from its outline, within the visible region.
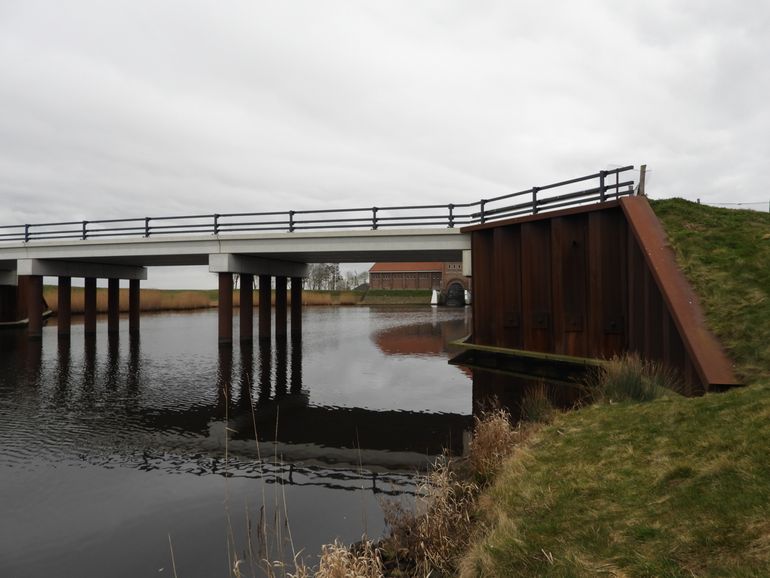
(148, 108)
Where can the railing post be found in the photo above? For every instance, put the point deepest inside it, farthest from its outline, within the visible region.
(26, 233)
(374, 218)
(482, 203)
(642, 179)
(291, 221)
(85, 230)
(147, 226)
(216, 224)
(451, 215)
(602, 196)
(534, 199)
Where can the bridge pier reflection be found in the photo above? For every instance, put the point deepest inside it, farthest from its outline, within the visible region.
(272, 405)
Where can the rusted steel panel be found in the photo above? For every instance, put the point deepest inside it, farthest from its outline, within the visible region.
(607, 283)
(569, 284)
(595, 281)
(710, 362)
(635, 312)
(484, 318)
(653, 313)
(507, 285)
(537, 318)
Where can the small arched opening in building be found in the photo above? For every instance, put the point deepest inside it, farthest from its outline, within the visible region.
(455, 295)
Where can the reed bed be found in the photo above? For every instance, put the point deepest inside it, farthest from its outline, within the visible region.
(150, 299)
(188, 300)
(430, 539)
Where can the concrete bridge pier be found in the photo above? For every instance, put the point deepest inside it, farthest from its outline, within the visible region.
(64, 306)
(264, 307)
(89, 306)
(296, 308)
(226, 264)
(113, 305)
(35, 305)
(225, 304)
(134, 306)
(246, 302)
(32, 271)
(280, 306)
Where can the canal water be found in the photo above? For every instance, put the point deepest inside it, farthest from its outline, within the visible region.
(126, 457)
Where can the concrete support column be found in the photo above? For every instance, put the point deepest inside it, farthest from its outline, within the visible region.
(247, 307)
(225, 308)
(89, 306)
(264, 307)
(64, 313)
(280, 306)
(133, 306)
(296, 307)
(113, 305)
(35, 306)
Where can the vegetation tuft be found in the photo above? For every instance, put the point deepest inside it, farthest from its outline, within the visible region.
(629, 378)
(536, 406)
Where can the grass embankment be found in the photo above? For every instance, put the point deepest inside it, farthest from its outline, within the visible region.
(397, 297)
(673, 487)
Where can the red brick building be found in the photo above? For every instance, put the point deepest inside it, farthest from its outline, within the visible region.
(424, 275)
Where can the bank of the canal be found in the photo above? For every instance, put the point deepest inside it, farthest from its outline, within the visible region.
(674, 487)
(191, 299)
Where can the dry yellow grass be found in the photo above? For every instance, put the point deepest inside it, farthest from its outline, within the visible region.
(430, 539)
(151, 300)
(493, 440)
(339, 561)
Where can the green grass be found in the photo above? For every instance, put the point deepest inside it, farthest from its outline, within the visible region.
(673, 487)
(726, 256)
(399, 293)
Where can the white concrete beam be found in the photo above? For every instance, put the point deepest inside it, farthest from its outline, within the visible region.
(57, 268)
(229, 263)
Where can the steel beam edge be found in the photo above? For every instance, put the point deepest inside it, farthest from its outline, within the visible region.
(60, 268)
(232, 263)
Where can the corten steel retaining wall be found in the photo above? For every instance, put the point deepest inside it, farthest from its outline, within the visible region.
(592, 281)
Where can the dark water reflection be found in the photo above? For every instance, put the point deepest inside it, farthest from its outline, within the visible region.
(113, 444)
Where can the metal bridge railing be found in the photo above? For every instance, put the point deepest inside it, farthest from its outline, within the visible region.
(603, 186)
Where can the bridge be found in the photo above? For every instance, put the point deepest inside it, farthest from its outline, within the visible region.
(573, 271)
(275, 244)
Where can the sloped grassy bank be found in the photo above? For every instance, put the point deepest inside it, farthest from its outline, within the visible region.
(673, 487)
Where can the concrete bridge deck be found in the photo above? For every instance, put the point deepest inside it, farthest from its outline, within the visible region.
(310, 247)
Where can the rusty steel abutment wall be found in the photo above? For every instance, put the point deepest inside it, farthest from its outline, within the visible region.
(593, 281)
